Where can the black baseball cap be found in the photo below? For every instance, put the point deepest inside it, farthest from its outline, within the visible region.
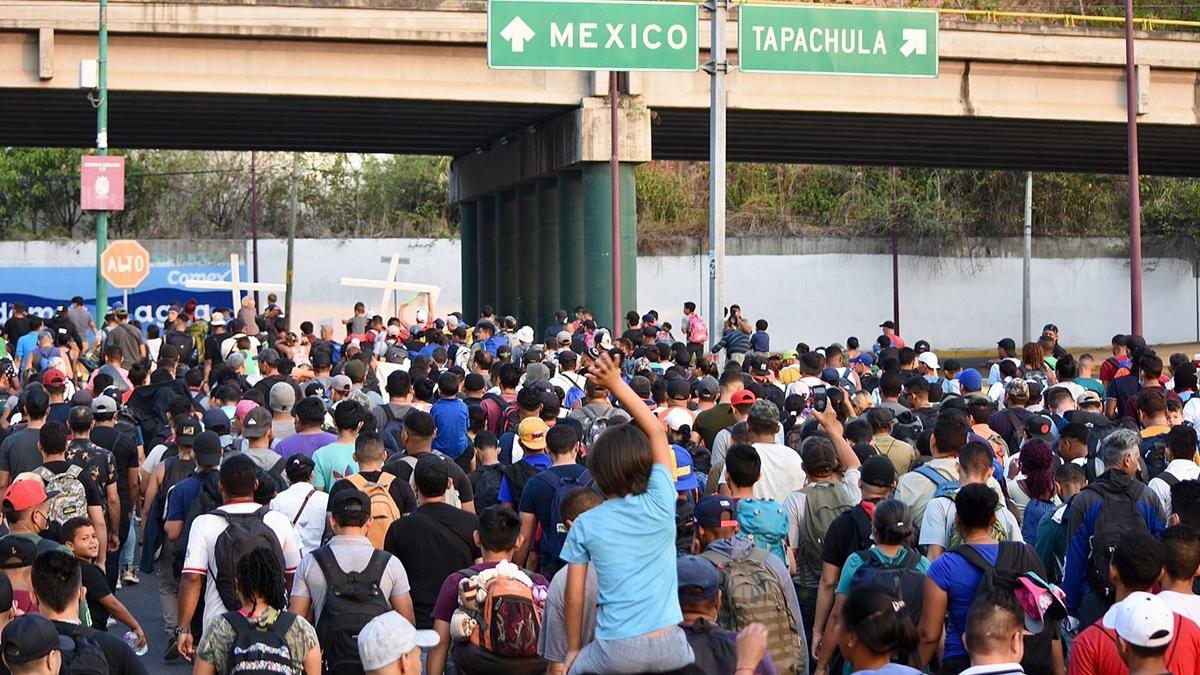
(679, 389)
(347, 501)
(31, 637)
(878, 471)
(187, 428)
(207, 448)
(16, 552)
(6, 593)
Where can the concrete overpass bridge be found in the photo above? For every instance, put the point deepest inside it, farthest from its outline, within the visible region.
(410, 76)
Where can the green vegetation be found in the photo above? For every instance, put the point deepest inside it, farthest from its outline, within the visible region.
(174, 194)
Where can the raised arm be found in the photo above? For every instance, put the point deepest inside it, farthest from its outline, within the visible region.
(829, 422)
(606, 373)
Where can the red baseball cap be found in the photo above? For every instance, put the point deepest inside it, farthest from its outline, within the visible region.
(25, 493)
(743, 397)
(54, 378)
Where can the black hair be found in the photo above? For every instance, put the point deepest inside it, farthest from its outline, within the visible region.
(950, 431)
(992, 618)
(52, 438)
(179, 405)
(890, 383)
(309, 411)
(1181, 549)
(448, 383)
(1138, 559)
(259, 575)
(872, 615)
(509, 375)
(369, 446)
(561, 439)
(298, 472)
(1181, 440)
(818, 456)
(1185, 502)
(419, 424)
(976, 457)
(976, 506)
(858, 430)
(68, 529)
(239, 474)
(893, 522)
(760, 325)
(1076, 431)
(486, 439)
(529, 399)
(1070, 473)
(499, 527)
(80, 419)
(743, 465)
(620, 461)
(265, 490)
(431, 475)
(348, 415)
(56, 577)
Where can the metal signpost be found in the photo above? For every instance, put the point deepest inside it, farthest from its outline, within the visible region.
(549, 34)
(838, 40)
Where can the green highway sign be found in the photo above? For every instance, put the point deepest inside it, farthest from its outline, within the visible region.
(837, 40)
(575, 35)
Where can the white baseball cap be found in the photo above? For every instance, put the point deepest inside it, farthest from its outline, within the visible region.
(677, 418)
(525, 335)
(929, 359)
(388, 637)
(1142, 619)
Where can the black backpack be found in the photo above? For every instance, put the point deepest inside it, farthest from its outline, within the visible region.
(208, 499)
(1118, 514)
(261, 652)
(899, 579)
(243, 533)
(1154, 455)
(1013, 560)
(351, 601)
(86, 657)
(518, 474)
(487, 485)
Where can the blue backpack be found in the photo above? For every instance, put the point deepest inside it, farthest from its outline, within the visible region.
(555, 536)
(943, 487)
(765, 523)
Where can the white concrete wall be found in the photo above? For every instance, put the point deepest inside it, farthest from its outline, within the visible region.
(818, 298)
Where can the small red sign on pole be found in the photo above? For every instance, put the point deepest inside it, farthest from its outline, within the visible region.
(102, 183)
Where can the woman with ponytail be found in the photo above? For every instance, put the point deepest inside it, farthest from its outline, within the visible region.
(890, 566)
(262, 621)
(874, 631)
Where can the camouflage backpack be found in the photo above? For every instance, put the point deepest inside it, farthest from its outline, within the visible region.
(71, 500)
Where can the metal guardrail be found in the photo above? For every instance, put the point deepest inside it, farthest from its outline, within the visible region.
(1069, 20)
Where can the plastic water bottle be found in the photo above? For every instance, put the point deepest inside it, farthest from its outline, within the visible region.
(131, 639)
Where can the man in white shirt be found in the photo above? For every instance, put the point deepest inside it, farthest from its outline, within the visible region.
(1181, 543)
(782, 470)
(917, 487)
(303, 504)
(937, 524)
(238, 483)
(1181, 449)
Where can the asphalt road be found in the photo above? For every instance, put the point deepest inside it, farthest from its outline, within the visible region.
(142, 601)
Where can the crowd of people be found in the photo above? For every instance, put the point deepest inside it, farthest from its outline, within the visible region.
(462, 494)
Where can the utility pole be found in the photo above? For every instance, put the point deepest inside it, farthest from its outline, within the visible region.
(895, 257)
(1135, 193)
(254, 218)
(291, 246)
(717, 68)
(1027, 262)
(101, 151)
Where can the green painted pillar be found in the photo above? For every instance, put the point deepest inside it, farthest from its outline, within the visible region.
(468, 213)
(597, 208)
(550, 291)
(571, 240)
(507, 228)
(528, 258)
(485, 293)
(629, 238)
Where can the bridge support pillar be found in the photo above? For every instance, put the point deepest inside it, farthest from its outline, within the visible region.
(548, 241)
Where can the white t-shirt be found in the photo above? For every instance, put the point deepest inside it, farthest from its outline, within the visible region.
(310, 525)
(916, 489)
(796, 503)
(201, 549)
(939, 521)
(1183, 469)
(782, 472)
(1183, 604)
(154, 458)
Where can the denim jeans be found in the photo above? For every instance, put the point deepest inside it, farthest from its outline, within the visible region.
(642, 654)
(130, 547)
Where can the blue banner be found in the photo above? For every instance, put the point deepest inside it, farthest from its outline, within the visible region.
(43, 289)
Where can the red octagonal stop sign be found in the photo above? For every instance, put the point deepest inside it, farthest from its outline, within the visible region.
(125, 263)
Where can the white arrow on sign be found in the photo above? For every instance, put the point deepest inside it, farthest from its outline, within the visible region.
(517, 32)
(915, 41)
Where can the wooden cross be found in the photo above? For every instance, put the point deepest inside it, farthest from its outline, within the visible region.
(389, 285)
(235, 284)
